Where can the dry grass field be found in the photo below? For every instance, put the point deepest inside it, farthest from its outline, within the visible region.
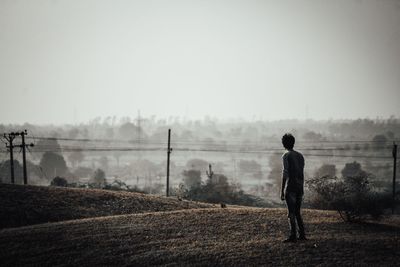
(234, 236)
(26, 205)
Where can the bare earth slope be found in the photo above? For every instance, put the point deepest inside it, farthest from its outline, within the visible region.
(223, 237)
(27, 205)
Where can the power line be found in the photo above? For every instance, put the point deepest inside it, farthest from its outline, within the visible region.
(99, 149)
(79, 139)
(243, 148)
(80, 148)
(225, 145)
(201, 141)
(264, 151)
(127, 149)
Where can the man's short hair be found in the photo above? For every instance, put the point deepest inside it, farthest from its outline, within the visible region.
(288, 141)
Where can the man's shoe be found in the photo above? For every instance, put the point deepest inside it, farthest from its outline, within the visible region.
(303, 238)
(290, 240)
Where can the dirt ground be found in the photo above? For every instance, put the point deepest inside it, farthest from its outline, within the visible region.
(202, 237)
(22, 205)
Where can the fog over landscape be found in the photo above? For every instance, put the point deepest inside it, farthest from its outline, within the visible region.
(97, 85)
(73, 61)
(92, 89)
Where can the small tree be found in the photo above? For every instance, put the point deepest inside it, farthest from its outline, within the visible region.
(99, 178)
(379, 140)
(47, 145)
(352, 197)
(53, 164)
(129, 131)
(353, 169)
(326, 170)
(76, 157)
(59, 181)
(5, 174)
(192, 179)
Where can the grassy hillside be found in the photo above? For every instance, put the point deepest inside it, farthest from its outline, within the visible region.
(232, 236)
(26, 205)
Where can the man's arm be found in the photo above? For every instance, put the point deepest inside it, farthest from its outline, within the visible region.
(283, 188)
(285, 174)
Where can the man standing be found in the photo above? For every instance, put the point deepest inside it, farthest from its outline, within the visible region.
(292, 189)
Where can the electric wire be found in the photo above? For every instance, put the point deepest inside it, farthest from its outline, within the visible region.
(203, 141)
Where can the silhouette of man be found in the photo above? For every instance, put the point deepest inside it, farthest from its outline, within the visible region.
(292, 189)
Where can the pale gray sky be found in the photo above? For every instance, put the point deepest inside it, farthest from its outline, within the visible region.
(226, 59)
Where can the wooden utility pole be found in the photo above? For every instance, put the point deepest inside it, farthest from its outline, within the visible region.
(10, 138)
(24, 157)
(169, 150)
(394, 153)
(24, 147)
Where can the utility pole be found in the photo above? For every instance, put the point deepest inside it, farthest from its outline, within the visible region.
(394, 153)
(24, 147)
(10, 138)
(169, 150)
(210, 173)
(139, 135)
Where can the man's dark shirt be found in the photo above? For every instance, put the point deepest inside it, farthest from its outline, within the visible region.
(293, 170)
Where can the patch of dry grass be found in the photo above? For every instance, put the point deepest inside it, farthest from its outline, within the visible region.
(201, 237)
(26, 205)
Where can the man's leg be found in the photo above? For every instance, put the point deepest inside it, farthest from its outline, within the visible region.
(291, 204)
(300, 224)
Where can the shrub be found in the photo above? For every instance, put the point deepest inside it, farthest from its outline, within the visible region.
(59, 181)
(53, 164)
(192, 178)
(218, 190)
(353, 197)
(116, 185)
(98, 179)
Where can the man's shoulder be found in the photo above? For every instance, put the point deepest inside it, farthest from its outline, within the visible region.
(298, 153)
(286, 154)
(292, 153)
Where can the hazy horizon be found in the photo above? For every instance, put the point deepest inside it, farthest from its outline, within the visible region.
(72, 61)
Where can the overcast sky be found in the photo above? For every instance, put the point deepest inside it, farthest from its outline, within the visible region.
(73, 60)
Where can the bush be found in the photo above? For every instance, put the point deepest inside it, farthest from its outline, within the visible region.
(192, 178)
(353, 197)
(98, 179)
(218, 190)
(116, 185)
(59, 181)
